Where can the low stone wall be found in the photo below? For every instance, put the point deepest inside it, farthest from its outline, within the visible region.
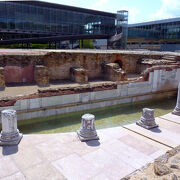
(161, 83)
(19, 74)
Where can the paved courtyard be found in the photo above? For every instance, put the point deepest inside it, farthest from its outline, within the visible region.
(119, 152)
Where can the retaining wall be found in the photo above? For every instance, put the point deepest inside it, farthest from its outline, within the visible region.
(161, 83)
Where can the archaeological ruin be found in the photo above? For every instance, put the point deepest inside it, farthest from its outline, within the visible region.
(55, 82)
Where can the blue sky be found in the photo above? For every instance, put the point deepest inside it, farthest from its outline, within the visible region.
(139, 10)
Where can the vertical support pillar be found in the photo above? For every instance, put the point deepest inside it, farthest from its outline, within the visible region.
(49, 45)
(2, 78)
(41, 75)
(72, 44)
(10, 134)
(177, 108)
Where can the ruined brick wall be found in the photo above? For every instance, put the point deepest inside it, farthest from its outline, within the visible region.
(20, 67)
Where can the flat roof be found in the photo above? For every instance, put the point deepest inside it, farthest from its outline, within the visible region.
(65, 7)
(155, 22)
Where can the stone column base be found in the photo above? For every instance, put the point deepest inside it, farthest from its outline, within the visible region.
(84, 138)
(10, 139)
(140, 123)
(176, 111)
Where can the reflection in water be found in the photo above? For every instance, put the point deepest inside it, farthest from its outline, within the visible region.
(105, 117)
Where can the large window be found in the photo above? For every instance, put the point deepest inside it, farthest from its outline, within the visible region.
(21, 16)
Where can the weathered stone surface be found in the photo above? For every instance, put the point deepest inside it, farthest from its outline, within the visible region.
(2, 79)
(174, 166)
(147, 119)
(41, 75)
(60, 62)
(174, 177)
(113, 72)
(87, 131)
(160, 169)
(10, 134)
(165, 167)
(79, 75)
(177, 108)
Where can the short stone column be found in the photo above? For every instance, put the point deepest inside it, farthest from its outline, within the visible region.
(79, 75)
(147, 119)
(87, 131)
(10, 134)
(2, 79)
(114, 73)
(177, 108)
(41, 75)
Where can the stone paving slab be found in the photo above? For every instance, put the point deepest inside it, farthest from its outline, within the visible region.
(168, 133)
(171, 117)
(118, 153)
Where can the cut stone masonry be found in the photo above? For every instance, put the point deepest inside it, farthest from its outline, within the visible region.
(114, 73)
(2, 79)
(21, 67)
(41, 75)
(177, 108)
(79, 75)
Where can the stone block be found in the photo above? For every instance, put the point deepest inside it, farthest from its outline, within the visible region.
(60, 100)
(35, 103)
(41, 75)
(105, 94)
(124, 90)
(85, 97)
(79, 75)
(2, 78)
(177, 108)
(155, 80)
(178, 75)
(151, 75)
(114, 73)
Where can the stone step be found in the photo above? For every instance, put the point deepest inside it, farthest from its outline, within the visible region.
(169, 57)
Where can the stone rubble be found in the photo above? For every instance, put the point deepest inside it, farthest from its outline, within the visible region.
(166, 167)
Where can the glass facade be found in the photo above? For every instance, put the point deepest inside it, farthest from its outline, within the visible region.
(122, 27)
(22, 16)
(165, 29)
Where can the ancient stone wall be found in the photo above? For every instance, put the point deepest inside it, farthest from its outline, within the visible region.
(19, 68)
(2, 79)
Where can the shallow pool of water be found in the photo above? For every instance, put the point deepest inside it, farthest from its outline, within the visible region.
(105, 117)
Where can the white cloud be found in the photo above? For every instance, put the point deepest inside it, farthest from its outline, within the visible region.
(169, 9)
(132, 12)
(99, 4)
